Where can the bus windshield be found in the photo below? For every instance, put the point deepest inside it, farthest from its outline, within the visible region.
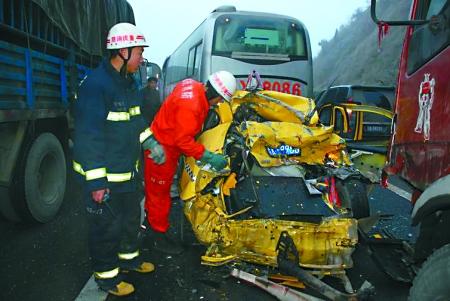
(259, 36)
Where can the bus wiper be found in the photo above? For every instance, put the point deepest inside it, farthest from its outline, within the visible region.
(260, 56)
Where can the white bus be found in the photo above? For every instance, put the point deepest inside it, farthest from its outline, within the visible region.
(276, 46)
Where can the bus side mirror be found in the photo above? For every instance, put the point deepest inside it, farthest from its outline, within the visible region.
(147, 70)
(142, 74)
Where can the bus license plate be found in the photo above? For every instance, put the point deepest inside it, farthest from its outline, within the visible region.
(289, 87)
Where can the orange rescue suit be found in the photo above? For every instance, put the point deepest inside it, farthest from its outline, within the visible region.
(175, 126)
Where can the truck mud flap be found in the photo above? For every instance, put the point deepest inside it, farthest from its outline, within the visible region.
(393, 256)
(288, 259)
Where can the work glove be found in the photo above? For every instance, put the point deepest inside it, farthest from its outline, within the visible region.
(156, 150)
(217, 161)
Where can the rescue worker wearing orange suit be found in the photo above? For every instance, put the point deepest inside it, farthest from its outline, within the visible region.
(175, 126)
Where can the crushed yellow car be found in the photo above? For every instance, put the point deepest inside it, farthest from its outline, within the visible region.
(286, 174)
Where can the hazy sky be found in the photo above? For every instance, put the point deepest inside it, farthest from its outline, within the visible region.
(166, 23)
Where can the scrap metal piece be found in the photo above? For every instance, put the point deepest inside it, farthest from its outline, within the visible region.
(288, 259)
(287, 280)
(281, 292)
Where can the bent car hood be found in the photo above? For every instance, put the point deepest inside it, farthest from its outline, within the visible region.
(271, 131)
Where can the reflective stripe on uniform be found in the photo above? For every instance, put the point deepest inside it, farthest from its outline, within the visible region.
(145, 134)
(107, 274)
(118, 116)
(94, 174)
(135, 111)
(128, 256)
(119, 177)
(77, 167)
(100, 173)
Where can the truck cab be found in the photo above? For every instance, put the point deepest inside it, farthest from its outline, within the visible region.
(419, 150)
(422, 113)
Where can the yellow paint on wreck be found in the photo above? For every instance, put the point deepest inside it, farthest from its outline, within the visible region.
(291, 104)
(314, 142)
(193, 179)
(327, 245)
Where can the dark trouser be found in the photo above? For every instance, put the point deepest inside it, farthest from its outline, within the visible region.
(113, 232)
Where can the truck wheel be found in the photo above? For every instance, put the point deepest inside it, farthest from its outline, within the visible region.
(353, 195)
(431, 283)
(44, 178)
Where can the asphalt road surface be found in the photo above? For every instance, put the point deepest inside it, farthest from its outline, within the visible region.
(51, 261)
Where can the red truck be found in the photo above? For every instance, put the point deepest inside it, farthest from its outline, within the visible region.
(419, 149)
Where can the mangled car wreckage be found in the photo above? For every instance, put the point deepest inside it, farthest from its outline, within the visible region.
(287, 175)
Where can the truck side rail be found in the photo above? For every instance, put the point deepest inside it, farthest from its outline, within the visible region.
(30, 80)
(24, 23)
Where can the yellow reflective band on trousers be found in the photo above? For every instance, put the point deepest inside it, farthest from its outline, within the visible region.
(101, 173)
(94, 174)
(135, 111)
(107, 274)
(145, 134)
(119, 177)
(118, 116)
(128, 256)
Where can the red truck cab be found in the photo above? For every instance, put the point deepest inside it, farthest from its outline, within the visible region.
(420, 146)
(419, 150)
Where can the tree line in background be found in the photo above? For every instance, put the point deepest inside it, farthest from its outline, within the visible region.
(352, 56)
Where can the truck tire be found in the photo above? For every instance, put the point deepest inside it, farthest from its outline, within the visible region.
(44, 178)
(353, 195)
(431, 283)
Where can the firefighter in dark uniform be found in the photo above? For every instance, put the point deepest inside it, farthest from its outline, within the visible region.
(110, 133)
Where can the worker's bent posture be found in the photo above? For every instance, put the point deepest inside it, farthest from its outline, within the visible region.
(175, 126)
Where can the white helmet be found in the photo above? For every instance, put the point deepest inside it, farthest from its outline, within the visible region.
(124, 35)
(224, 83)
